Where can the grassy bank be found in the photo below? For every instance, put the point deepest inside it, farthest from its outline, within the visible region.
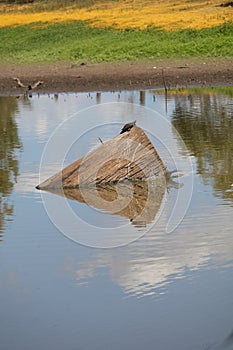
(76, 41)
(114, 30)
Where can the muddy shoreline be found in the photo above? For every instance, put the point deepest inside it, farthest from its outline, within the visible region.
(71, 77)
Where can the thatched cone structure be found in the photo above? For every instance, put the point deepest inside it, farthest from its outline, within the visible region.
(128, 156)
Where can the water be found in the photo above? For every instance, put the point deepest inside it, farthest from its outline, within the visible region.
(166, 290)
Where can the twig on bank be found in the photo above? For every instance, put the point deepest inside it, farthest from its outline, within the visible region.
(29, 86)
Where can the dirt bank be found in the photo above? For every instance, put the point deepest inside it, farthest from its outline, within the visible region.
(116, 76)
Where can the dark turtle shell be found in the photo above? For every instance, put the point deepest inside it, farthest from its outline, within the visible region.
(127, 127)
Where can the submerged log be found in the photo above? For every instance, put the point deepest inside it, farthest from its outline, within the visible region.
(128, 156)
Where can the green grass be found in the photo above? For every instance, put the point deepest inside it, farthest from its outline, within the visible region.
(76, 42)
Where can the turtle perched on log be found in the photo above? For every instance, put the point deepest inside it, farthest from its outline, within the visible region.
(127, 127)
(128, 156)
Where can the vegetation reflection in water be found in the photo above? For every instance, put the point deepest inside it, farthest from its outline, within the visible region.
(204, 121)
(9, 145)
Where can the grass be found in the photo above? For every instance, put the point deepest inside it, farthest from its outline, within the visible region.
(75, 41)
(114, 30)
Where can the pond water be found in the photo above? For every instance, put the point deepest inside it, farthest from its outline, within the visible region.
(166, 284)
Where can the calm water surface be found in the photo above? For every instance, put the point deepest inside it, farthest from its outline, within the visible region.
(163, 291)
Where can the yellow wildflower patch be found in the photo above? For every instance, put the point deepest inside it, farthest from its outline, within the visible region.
(137, 14)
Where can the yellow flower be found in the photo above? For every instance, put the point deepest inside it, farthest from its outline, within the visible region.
(166, 14)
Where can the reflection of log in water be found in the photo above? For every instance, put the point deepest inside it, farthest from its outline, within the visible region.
(137, 201)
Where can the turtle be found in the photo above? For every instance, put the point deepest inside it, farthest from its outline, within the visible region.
(127, 127)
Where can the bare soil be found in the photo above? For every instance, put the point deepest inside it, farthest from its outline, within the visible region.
(67, 77)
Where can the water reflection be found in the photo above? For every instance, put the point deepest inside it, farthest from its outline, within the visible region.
(9, 145)
(227, 343)
(205, 123)
(49, 281)
(148, 266)
(98, 97)
(137, 201)
(143, 97)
